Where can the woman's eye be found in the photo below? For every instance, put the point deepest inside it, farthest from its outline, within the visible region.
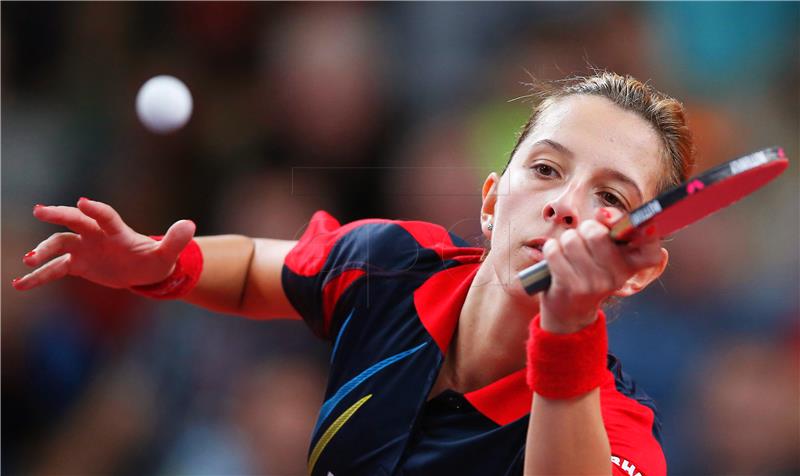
(545, 170)
(612, 200)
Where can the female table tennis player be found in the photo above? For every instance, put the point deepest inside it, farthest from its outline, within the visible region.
(441, 363)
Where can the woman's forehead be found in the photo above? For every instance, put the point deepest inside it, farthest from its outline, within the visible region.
(600, 134)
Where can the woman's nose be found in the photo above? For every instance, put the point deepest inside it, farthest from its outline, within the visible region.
(561, 213)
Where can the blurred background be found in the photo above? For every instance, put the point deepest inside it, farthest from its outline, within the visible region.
(395, 110)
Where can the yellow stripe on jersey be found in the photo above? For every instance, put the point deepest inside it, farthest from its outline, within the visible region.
(335, 426)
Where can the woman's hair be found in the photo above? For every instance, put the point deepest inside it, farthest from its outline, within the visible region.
(664, 113)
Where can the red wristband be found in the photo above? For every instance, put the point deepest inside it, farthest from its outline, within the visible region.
(567, 365)
(183, 278)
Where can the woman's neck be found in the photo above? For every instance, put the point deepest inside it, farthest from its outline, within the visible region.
(490, 338)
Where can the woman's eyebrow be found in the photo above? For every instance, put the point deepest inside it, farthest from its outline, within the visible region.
(617, 175)
(554, 145)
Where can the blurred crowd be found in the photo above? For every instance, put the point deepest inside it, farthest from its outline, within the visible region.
(395, 110)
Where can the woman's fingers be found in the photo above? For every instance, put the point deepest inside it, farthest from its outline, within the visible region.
(597, 241)
(106, 217)
(578, 269)
(644, 251)
(645, 255)
(609, 264)
(574, 248)
(55, 269)
(176, 239)
(560, 267)
(56, 245)
(608, 216)
(69, 217)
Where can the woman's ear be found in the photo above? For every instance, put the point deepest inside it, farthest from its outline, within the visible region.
(489, 195)
(643, 278)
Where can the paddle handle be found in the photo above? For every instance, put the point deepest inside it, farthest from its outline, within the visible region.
(535, 278)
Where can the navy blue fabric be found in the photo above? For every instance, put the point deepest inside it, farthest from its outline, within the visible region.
(383, 250)
(627, 386)
(452, 437)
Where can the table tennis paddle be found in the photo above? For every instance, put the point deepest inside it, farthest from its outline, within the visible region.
(684, 204)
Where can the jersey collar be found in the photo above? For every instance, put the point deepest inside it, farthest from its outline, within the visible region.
(438, 303)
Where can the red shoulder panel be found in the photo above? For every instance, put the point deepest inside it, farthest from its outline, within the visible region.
(310, 253)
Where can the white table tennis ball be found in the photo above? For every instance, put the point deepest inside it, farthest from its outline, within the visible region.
(164, 104)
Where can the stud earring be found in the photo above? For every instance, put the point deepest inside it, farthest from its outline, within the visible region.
(490, 227)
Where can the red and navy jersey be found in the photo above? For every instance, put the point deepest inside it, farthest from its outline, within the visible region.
(388, 294)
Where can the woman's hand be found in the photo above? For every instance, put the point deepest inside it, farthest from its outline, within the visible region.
(102, 249)
(586, 267)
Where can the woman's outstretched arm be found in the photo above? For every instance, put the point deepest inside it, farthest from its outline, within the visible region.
(240, 275)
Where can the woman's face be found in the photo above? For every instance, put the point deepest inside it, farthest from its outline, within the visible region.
(584, 153)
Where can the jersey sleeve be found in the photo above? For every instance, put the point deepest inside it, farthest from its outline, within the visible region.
(330, 259)
(633, 430)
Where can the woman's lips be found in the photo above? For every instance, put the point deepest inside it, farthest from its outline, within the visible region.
(534, 252)
(533, 248)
